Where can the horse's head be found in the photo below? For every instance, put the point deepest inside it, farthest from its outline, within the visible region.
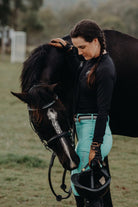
(50, 121)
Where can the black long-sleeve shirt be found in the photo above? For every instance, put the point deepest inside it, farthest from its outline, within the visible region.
(96, 99)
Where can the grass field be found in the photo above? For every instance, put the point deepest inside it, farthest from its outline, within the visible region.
(24, 161)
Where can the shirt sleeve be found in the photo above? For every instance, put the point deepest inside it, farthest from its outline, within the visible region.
(104, 85)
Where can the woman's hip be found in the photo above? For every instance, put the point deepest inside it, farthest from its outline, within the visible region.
(85, 133)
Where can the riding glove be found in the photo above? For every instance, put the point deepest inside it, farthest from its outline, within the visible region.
(95, 157)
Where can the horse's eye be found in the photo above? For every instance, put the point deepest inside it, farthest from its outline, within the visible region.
(51, 110)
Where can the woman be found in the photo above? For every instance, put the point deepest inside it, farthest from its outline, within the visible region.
(95, 81)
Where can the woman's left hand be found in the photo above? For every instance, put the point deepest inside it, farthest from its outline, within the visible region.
(58, 42)
(95, 154)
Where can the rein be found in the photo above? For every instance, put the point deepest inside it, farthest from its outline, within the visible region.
(63, 186)
(46, 144)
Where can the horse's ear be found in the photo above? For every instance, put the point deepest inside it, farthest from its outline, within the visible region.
(53, 87)
(22, 96)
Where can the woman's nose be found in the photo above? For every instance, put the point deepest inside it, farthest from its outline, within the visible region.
(80, 52)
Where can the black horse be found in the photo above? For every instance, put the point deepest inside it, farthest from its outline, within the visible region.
(124, 111)
(47, 65)
(49, 117)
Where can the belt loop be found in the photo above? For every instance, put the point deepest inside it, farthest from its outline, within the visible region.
(77, 117)
(92, 116)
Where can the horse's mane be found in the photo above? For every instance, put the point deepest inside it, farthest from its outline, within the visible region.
(33, 67)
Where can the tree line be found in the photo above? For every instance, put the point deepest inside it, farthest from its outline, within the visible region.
(42, 24)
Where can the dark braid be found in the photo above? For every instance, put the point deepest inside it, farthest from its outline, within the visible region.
(91, 75)
(89, 30)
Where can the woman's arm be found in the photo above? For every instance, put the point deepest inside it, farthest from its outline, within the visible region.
(71, 54)
(105, 79)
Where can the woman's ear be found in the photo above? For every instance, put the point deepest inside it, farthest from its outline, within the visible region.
(95, 40)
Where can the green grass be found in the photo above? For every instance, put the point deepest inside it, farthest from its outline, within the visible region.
(24, 160)
(11, 160)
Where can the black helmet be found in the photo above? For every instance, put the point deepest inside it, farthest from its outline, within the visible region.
(92, 183)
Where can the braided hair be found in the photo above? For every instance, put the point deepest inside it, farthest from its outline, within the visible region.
(89, 30)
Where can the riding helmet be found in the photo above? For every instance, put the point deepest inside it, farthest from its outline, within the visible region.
(92, 183)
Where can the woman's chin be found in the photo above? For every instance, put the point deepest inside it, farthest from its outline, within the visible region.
(87, 58)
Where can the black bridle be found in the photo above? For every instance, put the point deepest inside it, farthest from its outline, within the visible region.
(42, 138)
(46, 144)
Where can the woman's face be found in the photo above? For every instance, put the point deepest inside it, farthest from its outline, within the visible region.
(88, 50)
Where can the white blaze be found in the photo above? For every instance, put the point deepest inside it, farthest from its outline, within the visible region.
(52, 115)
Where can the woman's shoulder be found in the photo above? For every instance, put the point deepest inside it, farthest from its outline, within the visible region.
(106, 64)
(106, 69)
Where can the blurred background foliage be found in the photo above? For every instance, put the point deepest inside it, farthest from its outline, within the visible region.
(44, 19)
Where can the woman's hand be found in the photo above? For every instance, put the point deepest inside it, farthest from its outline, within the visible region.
(60, 43)
(95, 154)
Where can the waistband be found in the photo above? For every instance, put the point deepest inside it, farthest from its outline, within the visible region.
(80, 117)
